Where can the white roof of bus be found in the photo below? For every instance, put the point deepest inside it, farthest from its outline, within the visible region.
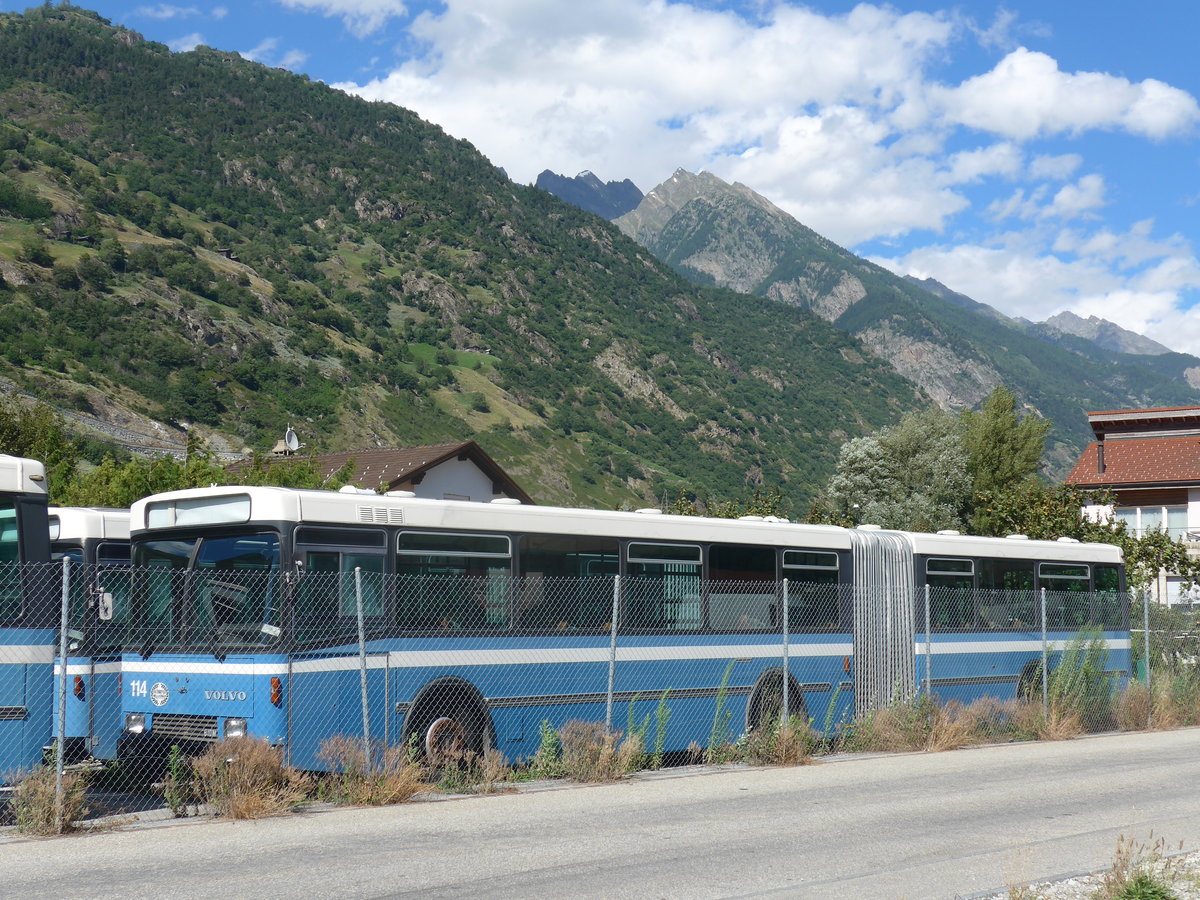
(1015, 547)
(271, 504)
(77, 523)
(22, 476)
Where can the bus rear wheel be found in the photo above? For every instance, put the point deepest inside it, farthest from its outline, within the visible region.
(445, 741)
(766, 701)
(449, 722)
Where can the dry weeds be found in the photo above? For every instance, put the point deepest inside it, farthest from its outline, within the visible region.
(592, 753)
(390, 776)
(245, 778)
(791, 744)
(35, 802)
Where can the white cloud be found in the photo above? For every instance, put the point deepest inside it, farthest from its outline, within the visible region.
(220, 12)
(1076, 199)
(1002, 159)
(293, 59)
(166, 11)
(1071, 201)
(838, 119)
(268, 53)
(187, 42)
(795, 106)
(361, 17)
(1055, 168)
(262, 51)
(1026, 96)
(1006, 30)
(833, 117)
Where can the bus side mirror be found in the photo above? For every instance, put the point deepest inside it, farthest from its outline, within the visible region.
(105, 606)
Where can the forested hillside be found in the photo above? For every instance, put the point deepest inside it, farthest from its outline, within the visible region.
(196, 240)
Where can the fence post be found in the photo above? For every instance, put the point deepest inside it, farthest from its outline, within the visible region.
(1146, 632)
(786, 675)
(61, 731)
(612, 653)
(1045, 661)
(928, 649)
(362, 669)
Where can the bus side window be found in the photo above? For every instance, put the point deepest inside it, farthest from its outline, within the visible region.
(1068, 594)
(10, 555)
(450, 581)
(952, 595)
(1107, 597)
(813, 593)
(742, 591)
(1006, 594)
(566, 582)
(663, 590)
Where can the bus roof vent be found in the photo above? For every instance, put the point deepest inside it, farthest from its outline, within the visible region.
(869, 527)
(950, 532)
(775, 519)
(1067, 540)
(649, 511)
(351, 489)
(1018, 537)
(507, 501)
(403, 494)
(751, 519)
(380, 515)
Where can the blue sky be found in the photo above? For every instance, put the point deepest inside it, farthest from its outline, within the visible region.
(1036, 156)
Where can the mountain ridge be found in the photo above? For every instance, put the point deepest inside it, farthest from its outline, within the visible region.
(954, 348)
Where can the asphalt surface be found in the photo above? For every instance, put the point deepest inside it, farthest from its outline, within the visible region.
(907, 826)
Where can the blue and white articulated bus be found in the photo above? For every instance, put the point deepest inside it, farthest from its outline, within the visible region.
(29, 616)
(481, 621)
(96, 541)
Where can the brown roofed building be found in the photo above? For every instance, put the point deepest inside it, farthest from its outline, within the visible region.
(459, 471)
(1150, 460)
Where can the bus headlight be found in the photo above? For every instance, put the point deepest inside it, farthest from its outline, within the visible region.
(235, 728)
(135, 723)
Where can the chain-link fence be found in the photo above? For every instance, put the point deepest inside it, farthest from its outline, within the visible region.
(162, 657)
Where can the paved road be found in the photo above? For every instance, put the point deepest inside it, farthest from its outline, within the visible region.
(914, 826)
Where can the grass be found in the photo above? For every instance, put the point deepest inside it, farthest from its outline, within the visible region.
(1141, 871)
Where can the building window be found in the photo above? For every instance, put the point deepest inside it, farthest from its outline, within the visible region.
(1141, 520)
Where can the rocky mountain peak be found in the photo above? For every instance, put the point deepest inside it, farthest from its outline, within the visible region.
(1105, 334)
(607, 199)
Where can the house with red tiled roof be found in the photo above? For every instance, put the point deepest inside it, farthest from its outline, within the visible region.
(1150, 460)
(458, 471)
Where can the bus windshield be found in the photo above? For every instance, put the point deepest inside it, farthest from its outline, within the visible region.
(210, 593)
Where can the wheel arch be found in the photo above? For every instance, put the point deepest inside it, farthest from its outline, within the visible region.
(766, 698)
(450, 695)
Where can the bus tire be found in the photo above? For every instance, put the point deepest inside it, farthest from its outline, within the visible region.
(766, 700)
(449, 722)
(1029, 682)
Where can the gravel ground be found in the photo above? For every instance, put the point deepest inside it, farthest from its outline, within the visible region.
(1180, 871)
